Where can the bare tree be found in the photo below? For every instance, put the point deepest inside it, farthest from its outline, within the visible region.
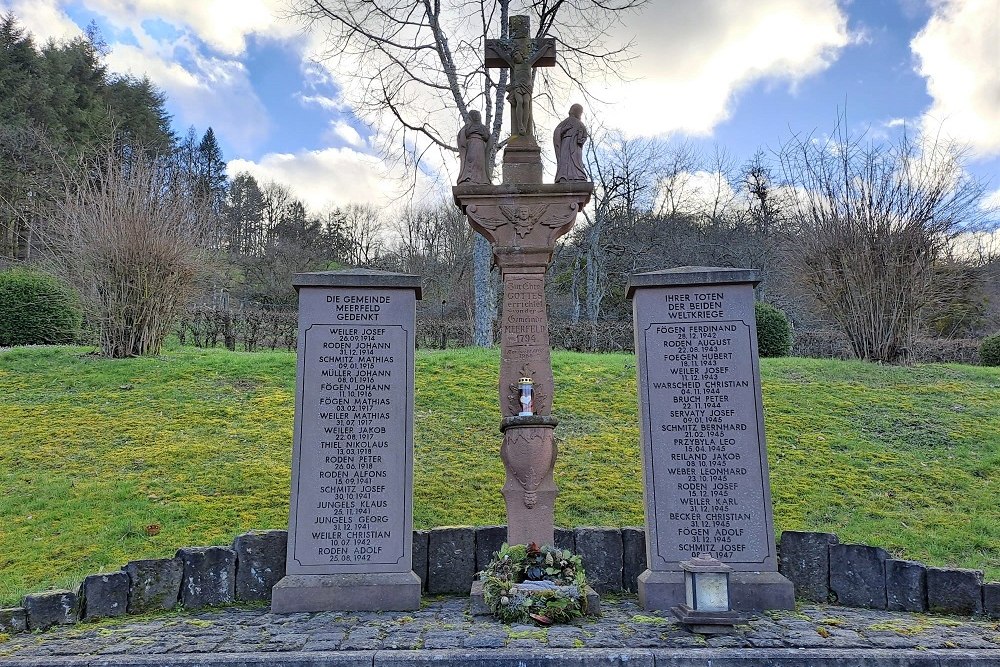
(875, 224)
(362, 227)
(129, 237)
(623, 171)
(416, 69)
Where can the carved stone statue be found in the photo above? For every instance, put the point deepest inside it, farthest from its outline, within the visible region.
(473, 139)
(568, 139)
(520, 53)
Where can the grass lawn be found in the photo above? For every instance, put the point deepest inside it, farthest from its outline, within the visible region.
(107, 461)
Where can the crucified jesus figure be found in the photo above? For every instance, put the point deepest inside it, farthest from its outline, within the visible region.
(521, 55)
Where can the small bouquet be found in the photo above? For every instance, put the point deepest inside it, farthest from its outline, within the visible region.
(544, 584)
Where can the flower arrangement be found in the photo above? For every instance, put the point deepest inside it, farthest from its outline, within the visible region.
(544, 584)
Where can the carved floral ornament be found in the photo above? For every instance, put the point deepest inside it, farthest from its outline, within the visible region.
(522, 449)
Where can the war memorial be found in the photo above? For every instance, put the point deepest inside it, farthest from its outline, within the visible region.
(346, 584)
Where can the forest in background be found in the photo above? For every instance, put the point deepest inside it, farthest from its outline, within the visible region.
(823, 258)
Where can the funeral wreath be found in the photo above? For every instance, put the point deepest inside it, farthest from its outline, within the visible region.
(525, 581)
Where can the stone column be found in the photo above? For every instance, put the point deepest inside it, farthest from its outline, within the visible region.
(351, 516)
(522, 222)
(528, 450)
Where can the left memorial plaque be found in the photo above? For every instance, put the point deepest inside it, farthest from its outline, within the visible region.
(351, 515)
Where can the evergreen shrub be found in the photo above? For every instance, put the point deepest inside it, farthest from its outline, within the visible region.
(774, 332)
(989, 351)
(36, 309)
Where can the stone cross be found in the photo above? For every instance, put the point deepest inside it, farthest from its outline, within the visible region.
(521, 55)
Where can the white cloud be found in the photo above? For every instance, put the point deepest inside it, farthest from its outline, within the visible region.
(322, 101)
(43, 18)
(346, 133)
(696, 56)
(991, 202)
(211, 91)
(327, 177)
(224, 25)
(957, 52)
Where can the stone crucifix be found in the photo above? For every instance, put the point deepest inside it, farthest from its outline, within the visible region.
(521, 54)
(522, 218)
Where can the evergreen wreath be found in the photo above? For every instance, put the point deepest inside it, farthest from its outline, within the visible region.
(544, 584)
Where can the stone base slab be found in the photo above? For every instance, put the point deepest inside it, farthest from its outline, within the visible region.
(477, 605)
(392, 591)
(748, 591)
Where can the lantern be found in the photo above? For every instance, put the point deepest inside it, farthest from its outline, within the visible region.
(706, 587)
(527, 398)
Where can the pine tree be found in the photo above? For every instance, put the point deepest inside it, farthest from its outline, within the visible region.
(211, 172)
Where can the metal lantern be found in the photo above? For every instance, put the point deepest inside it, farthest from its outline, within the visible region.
(527, 398)
(706, 587)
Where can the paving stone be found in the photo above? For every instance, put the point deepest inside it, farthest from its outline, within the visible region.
(260, 563)
(209, 576)
(633, 557)
(237, 646)
(443, 639)
(954, 591)
(104, 596)
(905, 585)
(51, 608)
(725, 641)
(323, 645)
(153, 584)
(563, 637)
(403, 640)
(804, 558)
(601, 551)
(974, 643)
(362, 639)
(444, 621)
(200, 646)
(420, 556)
(604, 638)
(13, 620)
(489, 539)
(451, 564)
(766, 642)
(485, 640)
(857, 575)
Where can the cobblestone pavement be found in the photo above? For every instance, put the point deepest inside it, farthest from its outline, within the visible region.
(445, 623)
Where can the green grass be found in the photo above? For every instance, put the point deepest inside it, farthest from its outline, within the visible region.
(92, 451)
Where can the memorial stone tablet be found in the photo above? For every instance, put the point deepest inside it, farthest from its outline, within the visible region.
(350, 520)
(705, 457)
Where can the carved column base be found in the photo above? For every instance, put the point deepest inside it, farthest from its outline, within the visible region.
(530, 524)
(529, 455)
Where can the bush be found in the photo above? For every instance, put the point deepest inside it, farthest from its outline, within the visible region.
(989, 351)
(36, 309)
(774, 333)
(131, 237)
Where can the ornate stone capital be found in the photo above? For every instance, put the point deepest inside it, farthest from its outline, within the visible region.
(523, 216)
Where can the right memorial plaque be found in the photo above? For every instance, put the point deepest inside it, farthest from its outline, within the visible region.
(706, 485)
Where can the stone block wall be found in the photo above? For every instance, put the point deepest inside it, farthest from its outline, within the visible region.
(446, 560)
(856, 575)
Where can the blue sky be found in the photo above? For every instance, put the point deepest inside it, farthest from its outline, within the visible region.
(716, 73)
